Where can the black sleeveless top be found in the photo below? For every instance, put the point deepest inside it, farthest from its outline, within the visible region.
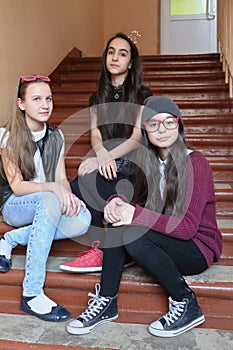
(116, 120)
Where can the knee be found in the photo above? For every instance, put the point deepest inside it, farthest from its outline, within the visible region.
(50, 202)
(74, 226)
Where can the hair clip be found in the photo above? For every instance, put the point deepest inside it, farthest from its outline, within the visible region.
(134, 35)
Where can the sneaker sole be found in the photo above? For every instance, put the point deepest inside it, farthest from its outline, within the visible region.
(86, 330)
(174, 333)
(87, 269)
(80, 269)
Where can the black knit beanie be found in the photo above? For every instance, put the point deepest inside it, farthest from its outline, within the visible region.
(159, 104)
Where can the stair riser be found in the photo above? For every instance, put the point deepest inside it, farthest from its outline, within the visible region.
(200, 126)
(166, 91)
(224, 210)
(208, 129)
(189, 128)
(210, 151)
(222, 173)
(72, 107)
(138, 302)
(149, 67)
(158, 78)
(70, 249)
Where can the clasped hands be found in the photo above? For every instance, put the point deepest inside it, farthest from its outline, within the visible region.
(118, 213)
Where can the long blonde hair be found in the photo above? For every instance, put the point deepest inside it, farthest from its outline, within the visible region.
(20, 147)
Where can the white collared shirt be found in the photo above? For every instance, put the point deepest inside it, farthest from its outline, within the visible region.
(162, 168)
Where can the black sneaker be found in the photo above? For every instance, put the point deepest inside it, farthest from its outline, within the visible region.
(5, 264)
(100, 310)
(182, 316)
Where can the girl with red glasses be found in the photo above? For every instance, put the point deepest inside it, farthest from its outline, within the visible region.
(169, 228)
(35, 195)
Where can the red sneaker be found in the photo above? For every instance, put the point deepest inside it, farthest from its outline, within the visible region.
(87, 261)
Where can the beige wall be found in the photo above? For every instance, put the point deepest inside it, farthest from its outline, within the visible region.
(127, 15)
(35, 35)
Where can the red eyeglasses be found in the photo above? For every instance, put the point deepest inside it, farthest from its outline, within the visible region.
(33, 77)
(169, 123)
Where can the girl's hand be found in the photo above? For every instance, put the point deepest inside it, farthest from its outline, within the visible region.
(70, 204)
(88, 166)
(76, 204)
(107, 165)
(108, 169)
(118, 213)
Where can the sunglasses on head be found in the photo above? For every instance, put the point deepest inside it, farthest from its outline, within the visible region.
(29, 78)
(33, 77)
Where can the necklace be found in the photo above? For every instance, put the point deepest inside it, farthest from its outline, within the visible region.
(117, 90)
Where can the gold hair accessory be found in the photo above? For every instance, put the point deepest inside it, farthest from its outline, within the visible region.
(134, 36)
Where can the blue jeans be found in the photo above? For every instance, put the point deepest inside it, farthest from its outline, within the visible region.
(39, 221)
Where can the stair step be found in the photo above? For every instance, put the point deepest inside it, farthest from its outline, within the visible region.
(87, 88)
(140, 298)
(211, 92)
(222, 169)
(149, 79)
(193, 124)
(203, 98)
(112, 335)
(227, 253)
(187, 107)
(210, 145)
(148, 67)
(69, 248)
(75, 58)
(209, 57)
(208, 124)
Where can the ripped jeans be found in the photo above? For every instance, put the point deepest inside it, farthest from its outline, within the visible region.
(38, 221)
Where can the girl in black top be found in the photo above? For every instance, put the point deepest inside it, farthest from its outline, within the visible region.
(115, 134)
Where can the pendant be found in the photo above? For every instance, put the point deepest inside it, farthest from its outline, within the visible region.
(116, 96)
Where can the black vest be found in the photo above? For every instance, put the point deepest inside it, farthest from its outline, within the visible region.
(50, 147)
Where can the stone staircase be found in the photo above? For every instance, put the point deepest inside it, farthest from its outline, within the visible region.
(196, 83)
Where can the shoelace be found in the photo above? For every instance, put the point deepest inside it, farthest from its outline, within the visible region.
(96, 304)
(175, 310)
(95, 246)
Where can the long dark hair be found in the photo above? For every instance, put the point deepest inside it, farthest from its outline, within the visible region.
(20, 147)
(133, 80)
(147, 179)
(123, 114)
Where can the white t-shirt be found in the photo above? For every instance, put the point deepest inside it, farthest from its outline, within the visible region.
(36, 136)
(163, 164)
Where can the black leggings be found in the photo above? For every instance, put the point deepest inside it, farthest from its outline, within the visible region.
(165, 258)
(94, 190)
